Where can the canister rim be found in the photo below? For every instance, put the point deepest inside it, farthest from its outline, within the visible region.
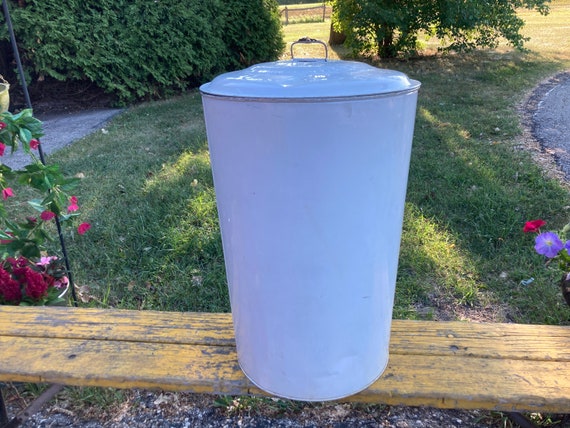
(309, 80)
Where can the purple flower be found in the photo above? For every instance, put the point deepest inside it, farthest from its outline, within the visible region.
(548, 244)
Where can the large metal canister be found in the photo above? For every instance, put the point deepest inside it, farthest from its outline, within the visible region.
(310, 162)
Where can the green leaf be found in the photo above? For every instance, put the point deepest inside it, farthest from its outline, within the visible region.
(4, 235)
(18, 116)
(25, 136)
(37, 205)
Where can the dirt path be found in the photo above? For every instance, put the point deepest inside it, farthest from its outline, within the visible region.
(546, 118)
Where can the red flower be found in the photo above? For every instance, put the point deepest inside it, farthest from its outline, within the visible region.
(20, 262)
(36, 287)
(34, 143)
(83, 227)
(2, 125)
(9, 288)
(72, 204)
(7, 192)
(533, 226)
(2, 148)
(47, 215)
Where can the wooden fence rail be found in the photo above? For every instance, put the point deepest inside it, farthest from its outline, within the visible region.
(322, 12)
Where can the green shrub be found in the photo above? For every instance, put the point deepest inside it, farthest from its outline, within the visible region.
(144, 48)
(253, 31)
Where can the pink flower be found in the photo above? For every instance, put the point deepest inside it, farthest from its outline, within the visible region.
(62, 282)
(47, 215)
(2, 125)
(2, 148)
(72, 204)
(44, 261)
(83, 227)
(34, 143)
(7, 192)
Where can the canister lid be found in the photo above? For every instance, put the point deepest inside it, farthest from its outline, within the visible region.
(309, 79)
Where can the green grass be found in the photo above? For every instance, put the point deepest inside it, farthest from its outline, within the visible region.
(155, 242)
(470, 192)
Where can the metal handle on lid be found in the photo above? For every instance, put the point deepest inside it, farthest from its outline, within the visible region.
(308, 40)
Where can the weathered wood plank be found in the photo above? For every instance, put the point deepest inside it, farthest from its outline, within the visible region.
(488, 340)
(177, 367)
(505, 367)
(484, 340)
(446, 382)
(113, 324)
(468, 383)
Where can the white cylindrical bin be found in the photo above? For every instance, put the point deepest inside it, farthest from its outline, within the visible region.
(310, 162)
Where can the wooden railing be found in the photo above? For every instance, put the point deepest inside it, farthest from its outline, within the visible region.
(291, 15)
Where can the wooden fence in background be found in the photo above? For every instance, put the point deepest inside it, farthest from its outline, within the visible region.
(316, 13)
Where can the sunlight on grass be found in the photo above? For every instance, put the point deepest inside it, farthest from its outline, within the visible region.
(315, 30)
(190, 233)
(549, 34)
(434, 265)
(192, 227)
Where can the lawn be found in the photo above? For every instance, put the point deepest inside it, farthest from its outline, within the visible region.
(155, 241)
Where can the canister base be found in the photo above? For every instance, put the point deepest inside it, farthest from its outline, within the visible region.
(296, 397)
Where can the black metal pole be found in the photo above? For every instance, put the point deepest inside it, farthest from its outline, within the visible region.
(40, 150)
(3, 411)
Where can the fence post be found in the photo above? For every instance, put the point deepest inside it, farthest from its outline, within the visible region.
(324, 11)
(286, 16)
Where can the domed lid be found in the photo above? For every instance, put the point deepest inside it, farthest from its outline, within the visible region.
(309, 79)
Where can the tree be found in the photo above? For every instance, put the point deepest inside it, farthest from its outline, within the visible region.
(390, 28)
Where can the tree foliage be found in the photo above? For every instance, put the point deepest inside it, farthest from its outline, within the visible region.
(142, 48)
(391, 27)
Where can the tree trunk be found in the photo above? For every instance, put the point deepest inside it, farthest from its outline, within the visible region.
(336, 38)
(386, 48)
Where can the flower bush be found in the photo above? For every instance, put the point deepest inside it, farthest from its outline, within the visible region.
(28, 275)
(23, 282)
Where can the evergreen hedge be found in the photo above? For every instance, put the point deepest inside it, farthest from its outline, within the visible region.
(144, 48)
